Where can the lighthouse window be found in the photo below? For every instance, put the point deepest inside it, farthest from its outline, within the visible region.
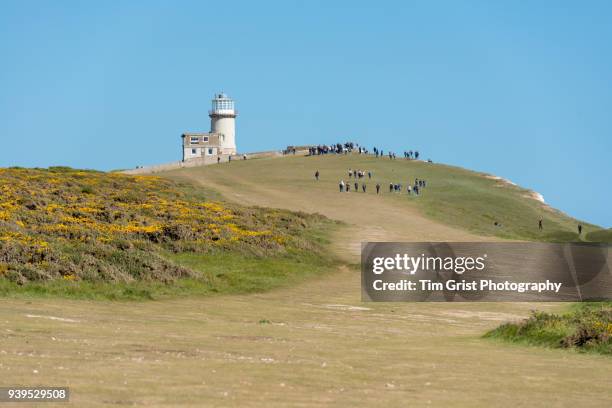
(194, 139)
(210, 151)
(193, 151)
(206, 138)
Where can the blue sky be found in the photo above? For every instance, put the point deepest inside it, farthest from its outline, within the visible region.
(519, 89)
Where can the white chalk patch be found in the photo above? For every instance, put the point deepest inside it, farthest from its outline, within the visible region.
(531, 194)
(500, 179)
(347, 307)
(536, 196)
(61, 319)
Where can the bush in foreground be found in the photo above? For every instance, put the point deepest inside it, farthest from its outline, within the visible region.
(587, 327)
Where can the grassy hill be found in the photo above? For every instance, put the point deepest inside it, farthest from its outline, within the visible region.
(467, 200)
(312, 343)
(86, 233)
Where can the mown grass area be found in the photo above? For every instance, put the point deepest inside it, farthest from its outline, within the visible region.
(88, 234)
(585, 327)
(230, 274)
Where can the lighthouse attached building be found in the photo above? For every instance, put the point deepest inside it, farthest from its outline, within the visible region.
(221, 140)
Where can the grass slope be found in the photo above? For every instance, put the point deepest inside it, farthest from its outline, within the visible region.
(91, 234)
(603, 235)
(454, 196)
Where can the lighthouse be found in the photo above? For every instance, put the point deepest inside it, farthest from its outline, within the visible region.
(223, 122)
(220, 142)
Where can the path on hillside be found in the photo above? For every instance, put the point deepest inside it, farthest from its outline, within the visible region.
(315, 344)
(368, 218)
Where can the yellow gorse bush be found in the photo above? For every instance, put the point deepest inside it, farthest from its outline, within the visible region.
(44, 213)
(27, 240)
(604, 327)
(114, 212)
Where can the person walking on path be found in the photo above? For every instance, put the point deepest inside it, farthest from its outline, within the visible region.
(363, 187)
(356, 187)
(540, 227)
(579, 229)
(218, 159)
(377, 188)
(341, 185)
(317, 175)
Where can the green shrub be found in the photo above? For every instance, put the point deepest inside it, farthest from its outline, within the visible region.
(587, 327)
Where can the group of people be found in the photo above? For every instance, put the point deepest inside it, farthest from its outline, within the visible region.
(407, 154)
(349, 147)
(359, 174)
(381, 153)
(346, 186)
(416, 188)
(336, 148)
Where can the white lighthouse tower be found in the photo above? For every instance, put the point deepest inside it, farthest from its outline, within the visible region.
(223, 121)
